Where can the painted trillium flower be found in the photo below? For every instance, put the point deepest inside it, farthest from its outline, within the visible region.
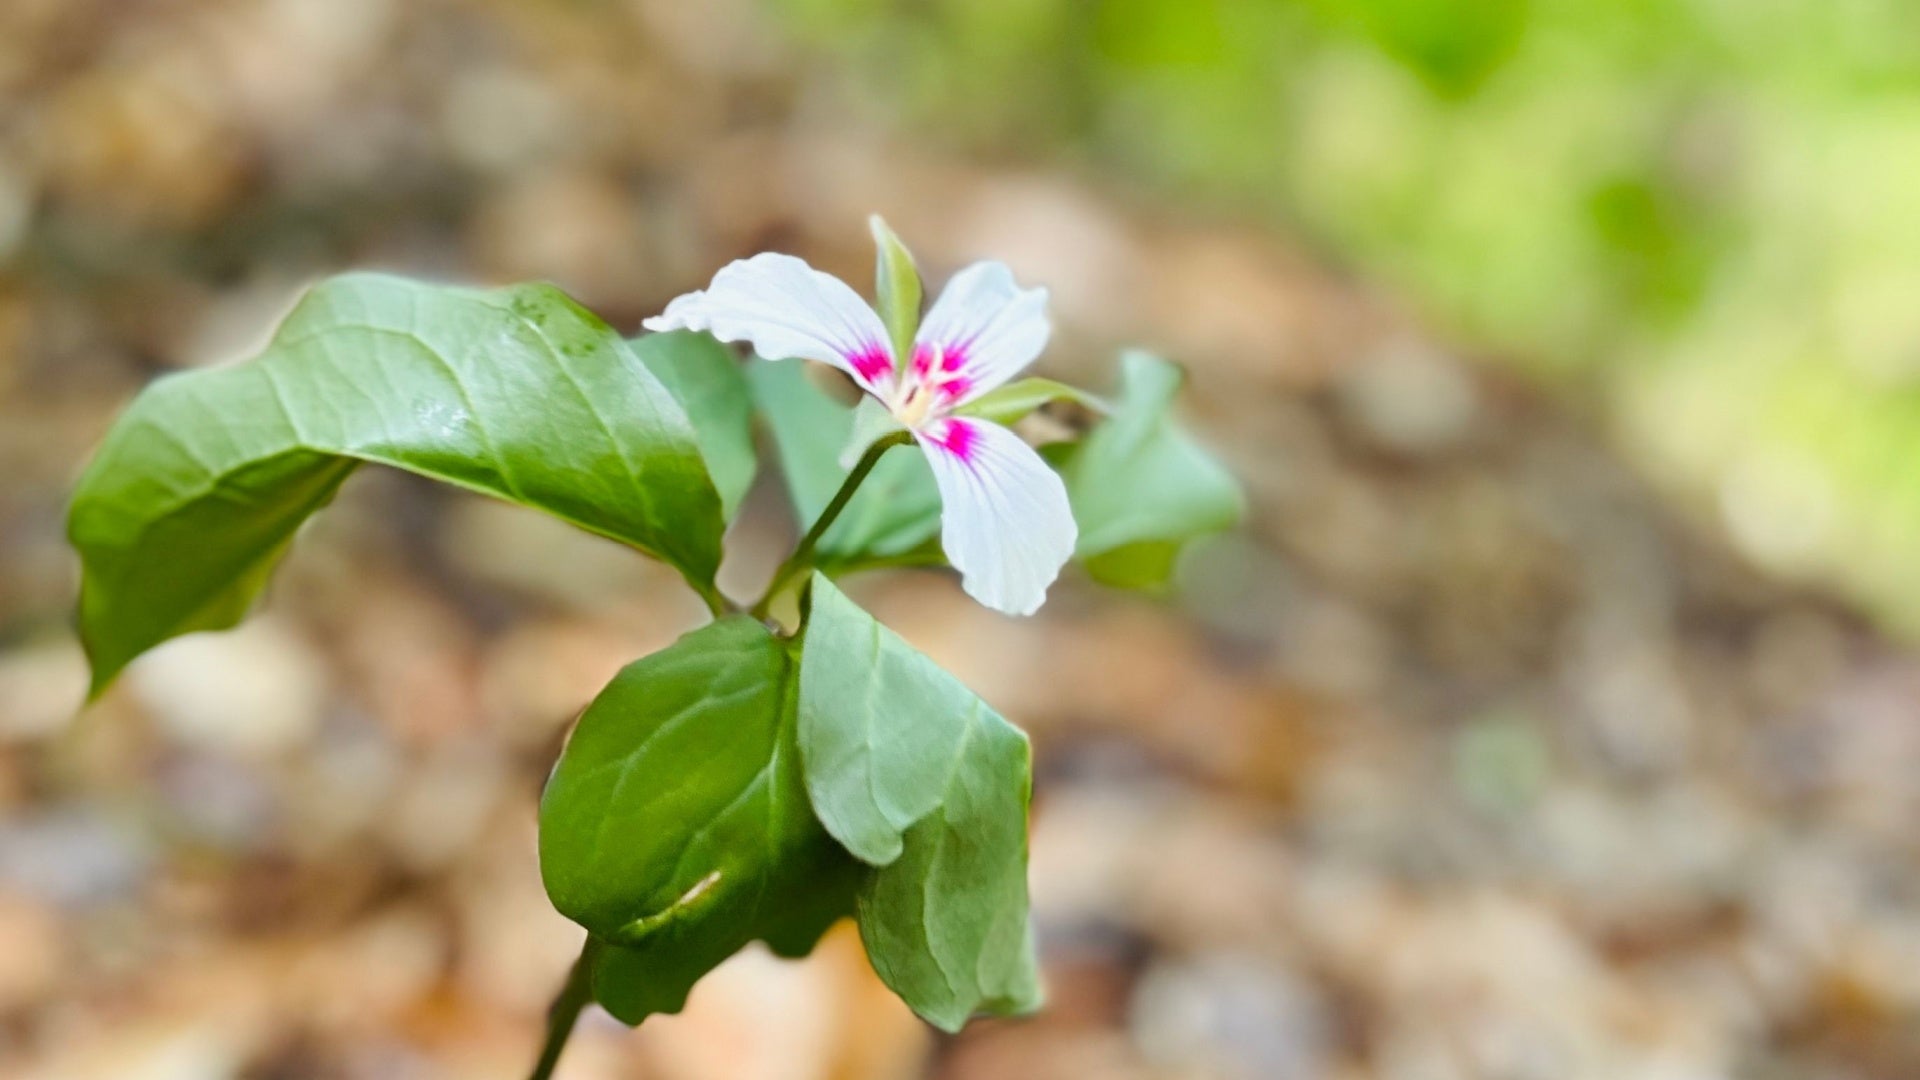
(1005, 523)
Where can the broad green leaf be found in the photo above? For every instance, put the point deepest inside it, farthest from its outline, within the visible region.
(897, 510)
(945, 925)
(676, 826)
(914, 774)
(1141, 487)
(1006, 404)
(518, 393)
(896, 285)
(705, 377)
(655, 976)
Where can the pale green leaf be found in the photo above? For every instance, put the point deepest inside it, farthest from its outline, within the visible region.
(917, 776)
(1141, 487)
(518, 393)
(1147, 565)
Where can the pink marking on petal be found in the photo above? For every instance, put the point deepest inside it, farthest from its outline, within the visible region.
(871, 362)
(956, 437)
(928, 359)
(955, 388)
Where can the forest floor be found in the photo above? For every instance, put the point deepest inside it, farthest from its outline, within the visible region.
(1467, 758)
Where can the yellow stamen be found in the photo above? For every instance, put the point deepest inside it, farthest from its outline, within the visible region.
(914, 409)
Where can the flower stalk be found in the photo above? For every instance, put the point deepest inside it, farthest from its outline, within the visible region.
(801, 561)
(577, 994)
(565, 1011)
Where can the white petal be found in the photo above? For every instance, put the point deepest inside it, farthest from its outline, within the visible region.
(788, 310)
(1004, 518)
(985, 327)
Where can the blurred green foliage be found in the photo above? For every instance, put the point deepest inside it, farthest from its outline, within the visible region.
(1699, 212)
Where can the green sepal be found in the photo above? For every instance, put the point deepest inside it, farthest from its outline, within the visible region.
(1014, 401)
(897, 288)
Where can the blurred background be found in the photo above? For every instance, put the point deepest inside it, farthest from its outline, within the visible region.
(1554, 716)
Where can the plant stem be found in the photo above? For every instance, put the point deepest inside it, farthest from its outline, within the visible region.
(717, 603)
(565, 1011)
(802, 558)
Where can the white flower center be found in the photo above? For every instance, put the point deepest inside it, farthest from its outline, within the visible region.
(927, 390)
(917, 404)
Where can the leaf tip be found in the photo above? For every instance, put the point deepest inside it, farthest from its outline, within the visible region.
(876, 847)
(102, 670)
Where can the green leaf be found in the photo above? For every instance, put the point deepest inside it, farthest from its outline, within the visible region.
(656, 975)
(896, 285)
(1012, 402)
(1140, 486)
(518, 393)
(1147, 566)
(896, 511)
(676, 826)
(917, 776)
(705, 377)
